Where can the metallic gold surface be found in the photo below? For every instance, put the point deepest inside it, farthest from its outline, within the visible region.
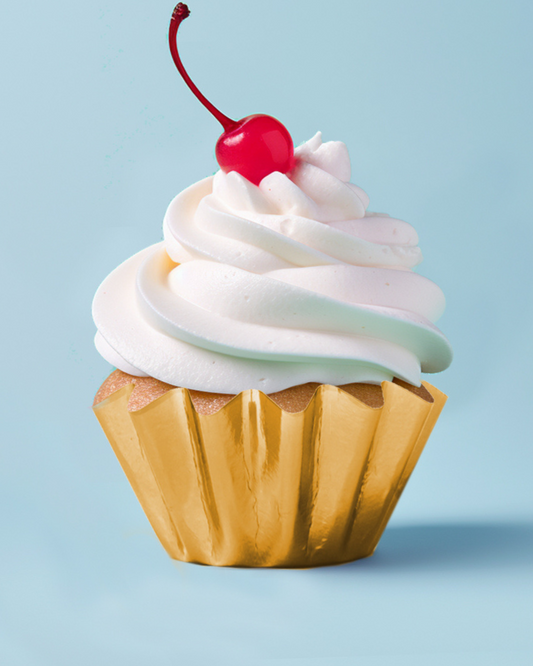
(255, 486)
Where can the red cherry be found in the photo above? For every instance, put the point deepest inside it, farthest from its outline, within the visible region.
(254, 146)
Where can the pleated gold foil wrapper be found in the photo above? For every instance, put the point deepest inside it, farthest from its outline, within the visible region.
(255, 486)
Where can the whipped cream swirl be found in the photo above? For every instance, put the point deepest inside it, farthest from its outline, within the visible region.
(271, 286)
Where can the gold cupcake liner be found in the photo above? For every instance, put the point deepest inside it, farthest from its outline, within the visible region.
(253, 485)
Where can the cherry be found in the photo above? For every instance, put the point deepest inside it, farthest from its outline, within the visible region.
(254, 146)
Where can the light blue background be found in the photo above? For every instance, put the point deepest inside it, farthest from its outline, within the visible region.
(434, 101)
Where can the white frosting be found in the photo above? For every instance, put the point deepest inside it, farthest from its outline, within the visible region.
(272, 286)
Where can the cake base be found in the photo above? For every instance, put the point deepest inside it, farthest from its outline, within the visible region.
(305, 477)
(293, 399)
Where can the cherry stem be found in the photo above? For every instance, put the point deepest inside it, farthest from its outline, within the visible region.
(180, 13)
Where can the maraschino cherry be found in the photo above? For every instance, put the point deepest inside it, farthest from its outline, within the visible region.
(254, 146)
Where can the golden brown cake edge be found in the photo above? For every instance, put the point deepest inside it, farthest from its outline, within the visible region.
(293, 399)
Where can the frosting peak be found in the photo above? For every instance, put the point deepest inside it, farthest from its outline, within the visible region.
(318, 187)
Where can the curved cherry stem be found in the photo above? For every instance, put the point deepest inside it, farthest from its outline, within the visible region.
(180, 13)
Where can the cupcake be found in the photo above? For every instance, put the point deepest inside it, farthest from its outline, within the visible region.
(267, 405)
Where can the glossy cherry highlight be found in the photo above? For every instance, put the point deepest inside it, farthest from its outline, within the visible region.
(254, 146)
